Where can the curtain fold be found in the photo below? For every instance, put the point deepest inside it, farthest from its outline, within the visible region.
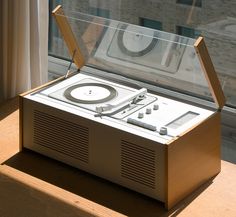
(23, 45)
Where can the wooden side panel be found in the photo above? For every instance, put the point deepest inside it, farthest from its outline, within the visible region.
(192, 159)
(68, 36)
(210, 73)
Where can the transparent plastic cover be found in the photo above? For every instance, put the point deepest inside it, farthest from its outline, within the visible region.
(156, 57)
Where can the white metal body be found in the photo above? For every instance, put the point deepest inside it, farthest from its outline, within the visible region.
(112, 148)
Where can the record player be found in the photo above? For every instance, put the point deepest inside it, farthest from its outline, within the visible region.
(125, 130)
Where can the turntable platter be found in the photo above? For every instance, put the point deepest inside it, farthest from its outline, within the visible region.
(136, 42)
(90, 93)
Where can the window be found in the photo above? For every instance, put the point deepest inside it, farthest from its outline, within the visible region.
(197, 3)
(154, 24)
(53, 30)
(212, 23)
(55, 40)
(99, 12)
(188, 32)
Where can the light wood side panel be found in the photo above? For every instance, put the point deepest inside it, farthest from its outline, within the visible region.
(68, 36)
(192, 159)
(210, 73)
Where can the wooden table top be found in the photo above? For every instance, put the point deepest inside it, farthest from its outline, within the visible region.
(34, 185)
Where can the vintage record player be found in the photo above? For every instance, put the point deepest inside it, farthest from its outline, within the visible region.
(114, 116)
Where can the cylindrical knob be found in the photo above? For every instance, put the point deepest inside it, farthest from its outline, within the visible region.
(163, 131)
(140, 115)
(148, 110)
(155, 106)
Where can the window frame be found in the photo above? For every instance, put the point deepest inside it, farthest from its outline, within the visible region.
(197, 4)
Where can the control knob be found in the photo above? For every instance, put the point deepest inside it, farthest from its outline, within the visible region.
(163, 131)
(155, 107)
(140, 115)
(148, 110)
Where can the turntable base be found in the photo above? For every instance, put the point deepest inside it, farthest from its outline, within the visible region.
(58, 197)
(107, 145)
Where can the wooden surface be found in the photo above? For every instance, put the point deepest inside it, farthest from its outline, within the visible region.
(68, 36)
(210, 73)
(33, 185)
(9, 129)
(193, 158)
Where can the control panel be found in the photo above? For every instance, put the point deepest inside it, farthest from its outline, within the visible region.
(166, 117)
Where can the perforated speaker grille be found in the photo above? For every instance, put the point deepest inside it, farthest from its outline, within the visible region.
(62, 136)
(138, 164)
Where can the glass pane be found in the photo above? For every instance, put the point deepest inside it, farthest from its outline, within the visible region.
(188, 32)
(160, 58)
(153, 24)
(215, 21)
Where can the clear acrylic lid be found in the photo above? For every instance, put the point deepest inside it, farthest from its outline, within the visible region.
(156, 57)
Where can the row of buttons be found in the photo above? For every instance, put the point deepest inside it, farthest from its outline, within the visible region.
(148, 111)
(163, 130)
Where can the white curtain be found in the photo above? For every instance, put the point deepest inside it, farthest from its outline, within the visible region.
(23, 45)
